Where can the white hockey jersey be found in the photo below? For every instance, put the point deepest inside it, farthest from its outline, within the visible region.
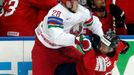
(55, 30)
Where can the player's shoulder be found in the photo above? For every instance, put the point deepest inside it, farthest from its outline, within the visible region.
(83, 9)
(87, 13)
(58, 10)
(57, 7)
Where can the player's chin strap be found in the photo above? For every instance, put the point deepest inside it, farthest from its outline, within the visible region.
(84, 42)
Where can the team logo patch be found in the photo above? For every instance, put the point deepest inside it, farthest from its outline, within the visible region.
(76, 29)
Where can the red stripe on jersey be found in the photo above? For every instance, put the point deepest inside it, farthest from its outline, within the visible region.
(89, 21)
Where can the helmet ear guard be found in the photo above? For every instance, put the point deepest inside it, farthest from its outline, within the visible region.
(83, 2)
(58, 1)
(88, 3)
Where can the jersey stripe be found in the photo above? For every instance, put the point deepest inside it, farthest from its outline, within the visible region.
(54, 26)
(89, 22)
(54, 22)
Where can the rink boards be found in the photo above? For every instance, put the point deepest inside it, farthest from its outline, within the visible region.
(15, 56)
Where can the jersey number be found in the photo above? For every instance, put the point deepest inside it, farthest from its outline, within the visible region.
(9, 7)
(56, 13)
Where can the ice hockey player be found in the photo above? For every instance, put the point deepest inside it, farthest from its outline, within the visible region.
(56, 36)
(99, 60)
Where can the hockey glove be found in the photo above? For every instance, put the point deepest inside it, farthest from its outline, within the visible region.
(118, 14)
(125, 48)
(84, 42)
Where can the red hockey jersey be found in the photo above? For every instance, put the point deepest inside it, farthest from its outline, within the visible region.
(94, 63)
(127, 7)
(17, 14)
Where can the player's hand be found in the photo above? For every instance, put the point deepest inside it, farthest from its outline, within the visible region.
(117, 12)
(125, 48)
(84, 42)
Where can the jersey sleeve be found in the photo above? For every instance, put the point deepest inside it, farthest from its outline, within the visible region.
(96, 27)
(93, 62)
(120, 47)
(93, 23)
(43, 4)
(56, 29)
(89, 60)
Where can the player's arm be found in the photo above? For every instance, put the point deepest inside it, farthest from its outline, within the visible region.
(119, 16)
(55, 30)
(93, 24)
(123, 47)
(59, 37)
(43, 4)
(96, 26)
(93, 62)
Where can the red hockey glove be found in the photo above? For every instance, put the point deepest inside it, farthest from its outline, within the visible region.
(83, 42)
(125, 48)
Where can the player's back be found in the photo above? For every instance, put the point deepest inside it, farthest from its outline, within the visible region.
(18, 18)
